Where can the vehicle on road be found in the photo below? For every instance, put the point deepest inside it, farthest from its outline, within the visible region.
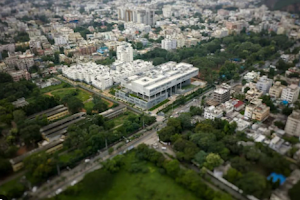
(164, 148)
(58, 191)
(73, 182)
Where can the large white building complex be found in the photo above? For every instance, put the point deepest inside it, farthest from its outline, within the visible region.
(153, 86)
(136, 14)
(103, 77)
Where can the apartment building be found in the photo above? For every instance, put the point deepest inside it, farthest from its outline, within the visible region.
(168, 44)
(136, 14)
(257, 110)
(21, 74)
(212, 112)
(276, 89)
(292, 126)
(290, 93)
(264, 84)
(125, 52)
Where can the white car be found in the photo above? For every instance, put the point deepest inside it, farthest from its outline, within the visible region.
(58, 191)
(73, 182)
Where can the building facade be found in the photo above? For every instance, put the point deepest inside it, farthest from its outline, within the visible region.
(292, 126)
(290, 93)
(125, 52)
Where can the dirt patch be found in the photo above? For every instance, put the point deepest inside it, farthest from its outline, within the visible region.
(21, 151)
(110, 104)
(49, 94)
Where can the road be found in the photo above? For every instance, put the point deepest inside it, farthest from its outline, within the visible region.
(64, 180)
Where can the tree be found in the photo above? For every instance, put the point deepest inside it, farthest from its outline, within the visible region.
(185, 120)
(252, 183)
(213, 160)
(287, 111)
(233, 175)
(239, 163)
(40, 166)
(200, 158)
(19, 116)
(204, 140)
(166, 133)
(31, 134)
(246, 90)
(294, 192)
(5, 167)
(172, 167)
(74, 105)
(195, 110)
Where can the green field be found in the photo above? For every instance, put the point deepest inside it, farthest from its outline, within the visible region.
(89, 105)
(82, 95)
(121, 118)
(55, 87)
(152, 185)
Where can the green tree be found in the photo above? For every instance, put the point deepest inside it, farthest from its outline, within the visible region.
(233, 175)
(5, 167)
(31, 135)
(172, 167)
(74, 105)
(213, 160)
(294, 192)
(252, 183)
(200, 158)
(19, 116)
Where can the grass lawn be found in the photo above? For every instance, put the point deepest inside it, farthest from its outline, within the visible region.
(55, 87)
(82, 95)
(121, 118)
(152, 185)
(89, 105)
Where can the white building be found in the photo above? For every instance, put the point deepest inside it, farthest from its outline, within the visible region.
(153, 86)
(125, 52)
(60, 39)
(251, 76)
(212, 112)
(168, 44)
(264, 84)
(290, 93)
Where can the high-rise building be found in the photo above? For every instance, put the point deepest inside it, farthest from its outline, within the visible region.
(125, 52)
(168, 44)
(137, 15)
(292, 126)
(290, 93)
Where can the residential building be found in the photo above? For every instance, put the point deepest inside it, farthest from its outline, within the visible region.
(221, 95)
(251, 76)
(253, 93)
(168, 44)
(18, 75)
(290, 93)
(292, 126)
(125, 52)
(264, 84)
(257, 110)
(276, 89)
(136, 14)
(213, 112)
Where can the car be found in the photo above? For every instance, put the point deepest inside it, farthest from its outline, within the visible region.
(58, 191)
(164, 148)
(73, 182)
(87, 160)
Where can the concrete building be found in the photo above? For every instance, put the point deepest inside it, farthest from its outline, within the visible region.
(257, 110)
(251, 76)
(276, 89)
(168, 44)
(18, 75)
(292, 126)
(20, 103)
(253, 93)
(125, 52)
(221, 95)
(212, 112)
(136, 14)
(290, 93)
(264, 84)
(153, 86)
